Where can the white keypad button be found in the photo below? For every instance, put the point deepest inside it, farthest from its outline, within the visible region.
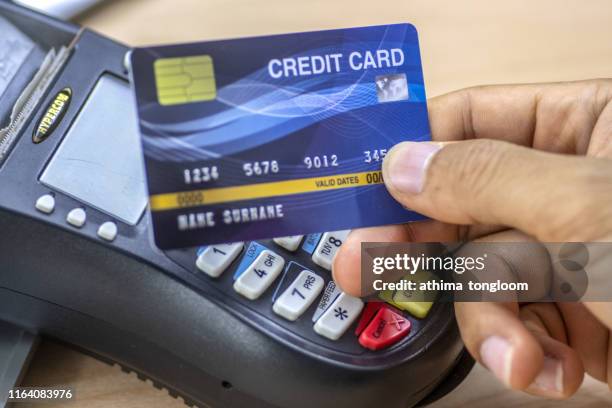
(290, 243)
(299, 295)
(215, 259)
(108, 231)
(331, 292)
(259, 275)
(45, 204)
(76, 217)
(338, 318)
(328, 247)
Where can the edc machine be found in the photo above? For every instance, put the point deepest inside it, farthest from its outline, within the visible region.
(78, 264)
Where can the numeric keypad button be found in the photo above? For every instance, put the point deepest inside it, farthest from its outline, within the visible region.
(299, 295)
(215, 259)
(339, 316)
(290, 243)
(328, 247)
(259, 275)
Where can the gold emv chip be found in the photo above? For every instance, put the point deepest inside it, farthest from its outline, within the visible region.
(184, 80)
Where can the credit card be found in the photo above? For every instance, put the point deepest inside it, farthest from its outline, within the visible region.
(280, 135)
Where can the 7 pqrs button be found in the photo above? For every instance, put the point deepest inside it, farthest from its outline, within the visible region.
(259, 275)
(299, 295)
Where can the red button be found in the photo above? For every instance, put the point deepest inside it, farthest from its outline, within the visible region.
(387, 328)
(367, 315)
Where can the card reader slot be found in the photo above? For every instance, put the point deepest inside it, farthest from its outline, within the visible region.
(32, 51)
(11, 90)
(20, 58)
(29, 98)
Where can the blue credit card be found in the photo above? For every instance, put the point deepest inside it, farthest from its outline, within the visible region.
(279, 135)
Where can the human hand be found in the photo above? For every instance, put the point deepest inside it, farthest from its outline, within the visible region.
(531, 161)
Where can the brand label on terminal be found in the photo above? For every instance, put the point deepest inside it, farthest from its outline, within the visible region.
(52, 116)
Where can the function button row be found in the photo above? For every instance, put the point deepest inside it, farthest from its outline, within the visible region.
(215, 259)
(259, 275)
(290, 243)
(76, 217)
(328, 247)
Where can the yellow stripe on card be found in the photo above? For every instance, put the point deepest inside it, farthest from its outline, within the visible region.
(196, 198)
(184, 80)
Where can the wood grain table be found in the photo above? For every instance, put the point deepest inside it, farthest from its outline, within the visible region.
(464, 43)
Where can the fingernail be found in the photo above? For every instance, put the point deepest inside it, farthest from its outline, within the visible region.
(550, 380)
(496, 355)
(407, 164)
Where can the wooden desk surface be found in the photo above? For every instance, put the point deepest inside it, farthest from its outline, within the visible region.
(463, 44)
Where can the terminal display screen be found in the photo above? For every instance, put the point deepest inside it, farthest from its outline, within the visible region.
(99, 162)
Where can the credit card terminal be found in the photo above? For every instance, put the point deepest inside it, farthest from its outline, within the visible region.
(257, 324)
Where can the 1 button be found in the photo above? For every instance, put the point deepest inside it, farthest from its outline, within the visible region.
(327, 248)
(340, 315)
(76, 217)
(215, 259)
(108, 231)
(299, 295)
(290, 243)
(45, 204)
(259, 275)
(385, 329)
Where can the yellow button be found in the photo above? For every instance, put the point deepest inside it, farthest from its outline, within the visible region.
(414, 301)
(417, 309)
(387, 296)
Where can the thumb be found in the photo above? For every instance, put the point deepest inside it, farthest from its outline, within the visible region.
(550, 196)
